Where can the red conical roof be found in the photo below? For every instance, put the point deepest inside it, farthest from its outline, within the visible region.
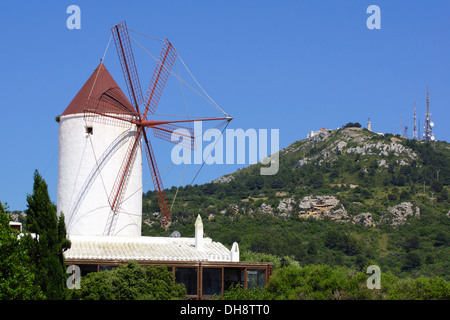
(98, 84)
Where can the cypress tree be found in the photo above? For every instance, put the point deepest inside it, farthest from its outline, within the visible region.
(47, 250)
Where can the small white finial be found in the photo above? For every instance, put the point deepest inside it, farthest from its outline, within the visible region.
(199, 233)
(198, 223)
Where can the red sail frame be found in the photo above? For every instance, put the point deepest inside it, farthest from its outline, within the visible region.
(109, 109)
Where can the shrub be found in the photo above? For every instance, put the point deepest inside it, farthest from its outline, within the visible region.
(129, 282)
(420, 289)
(238, 292)
(318, 282)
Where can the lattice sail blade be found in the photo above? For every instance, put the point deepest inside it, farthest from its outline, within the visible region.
(186, 135)
(126, 57)
(118, 191)
(161, 73)
(111, 108)
(157, 182)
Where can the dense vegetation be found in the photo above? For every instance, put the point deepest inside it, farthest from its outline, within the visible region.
(33, 267)
(17, 279)
(47, 251)
(363, 182)
(322, 282)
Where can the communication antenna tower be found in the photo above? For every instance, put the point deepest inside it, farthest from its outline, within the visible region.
(427, 128)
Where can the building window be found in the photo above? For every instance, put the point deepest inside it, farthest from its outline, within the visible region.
(87, 268)
(188, 277)
(212, 281)
(233, 276)
(256, 278)
(106, 268)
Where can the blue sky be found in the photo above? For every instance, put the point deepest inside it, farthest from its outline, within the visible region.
(295, 66)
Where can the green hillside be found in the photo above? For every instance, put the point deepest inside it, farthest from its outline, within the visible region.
(347, 197)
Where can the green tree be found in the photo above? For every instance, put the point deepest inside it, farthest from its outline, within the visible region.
(392, 196)
(419, 289)
(47, 251)
(436, 186)
(443, 195)
(404, 195)
(238, 292)
(342, 241)
(412, 260)
(129, 282)
(442, 238)
(352, 125)
(318, 282)
(17, 280)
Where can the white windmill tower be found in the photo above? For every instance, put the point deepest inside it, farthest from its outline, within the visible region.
(89, 155)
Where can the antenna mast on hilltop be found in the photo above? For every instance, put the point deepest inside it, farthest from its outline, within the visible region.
(415, 128)
(427, 128)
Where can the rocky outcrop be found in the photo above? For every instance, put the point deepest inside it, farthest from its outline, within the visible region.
(329, 207)
(286, 207)
(224, 179)
(340, 146)
(321, 207)
(266, 208)
(321, 135)
(398, 214)
(364, 219)
(382, 148)
(302, 162)
(354, 142)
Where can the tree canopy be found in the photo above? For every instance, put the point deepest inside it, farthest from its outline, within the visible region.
(17, 279)
(129, 282)
(47, 251)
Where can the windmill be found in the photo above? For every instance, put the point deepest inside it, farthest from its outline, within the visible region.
(112, 109)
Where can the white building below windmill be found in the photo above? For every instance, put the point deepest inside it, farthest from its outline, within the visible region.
(90, 156)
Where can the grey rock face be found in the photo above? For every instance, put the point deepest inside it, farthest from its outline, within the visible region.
(398, 214)
(223, 179)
